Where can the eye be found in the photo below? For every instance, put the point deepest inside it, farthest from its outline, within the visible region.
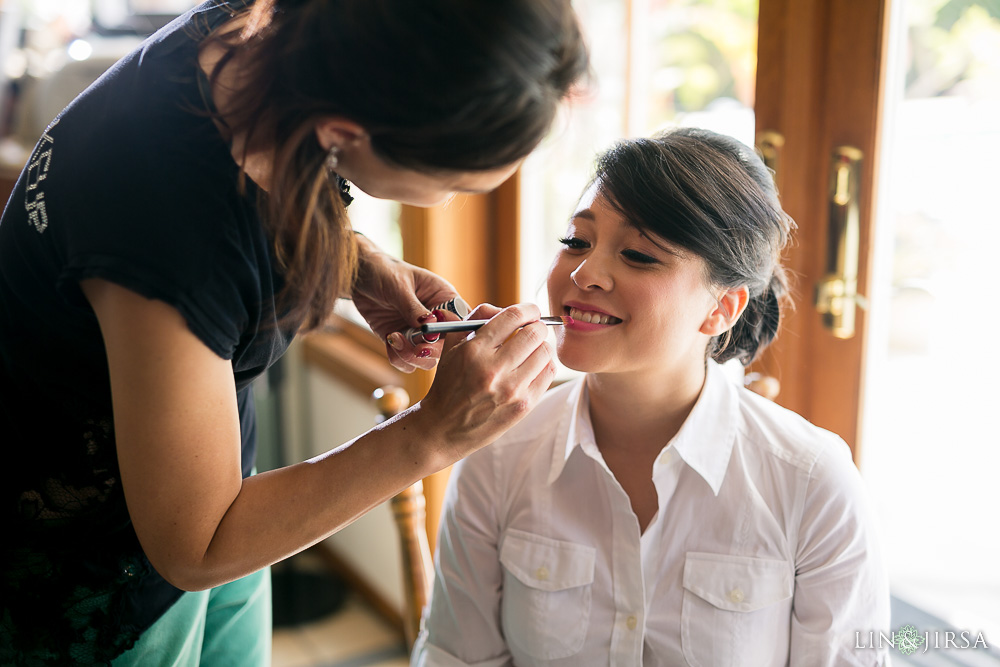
(574, 244)
(638, 257)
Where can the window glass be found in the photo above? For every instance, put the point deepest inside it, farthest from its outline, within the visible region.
(656, 64)
(378, 219)
(930, 451)
(553, 177)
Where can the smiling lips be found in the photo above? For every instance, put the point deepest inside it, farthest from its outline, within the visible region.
(592, 317)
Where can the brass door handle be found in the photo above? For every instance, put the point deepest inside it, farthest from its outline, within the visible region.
(837, 293)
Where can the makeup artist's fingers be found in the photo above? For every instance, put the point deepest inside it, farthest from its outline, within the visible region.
(426, 355)
(402, 354)
(406, 356)
(503, 325)
(485, 385)
(483, 311)
(412, 361)
(537, 371)
(401, 365)
(511, 334)
(520, 344)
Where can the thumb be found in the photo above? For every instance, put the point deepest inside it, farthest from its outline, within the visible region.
(413, 312)
(483, 311)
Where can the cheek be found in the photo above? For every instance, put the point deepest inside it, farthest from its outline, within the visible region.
(665, 311)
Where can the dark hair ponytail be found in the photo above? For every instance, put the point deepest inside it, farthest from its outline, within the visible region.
(438, 85)
(712, 195)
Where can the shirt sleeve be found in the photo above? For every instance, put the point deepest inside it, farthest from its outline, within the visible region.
(841, 586)
(142, 190)
(462, 623)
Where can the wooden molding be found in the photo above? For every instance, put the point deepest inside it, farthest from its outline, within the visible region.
(350, 361)
(507, 241)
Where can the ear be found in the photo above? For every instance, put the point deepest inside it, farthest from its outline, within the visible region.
(338, 131)
(728, 308)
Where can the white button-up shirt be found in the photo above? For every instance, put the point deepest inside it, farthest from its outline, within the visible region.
(762, 551)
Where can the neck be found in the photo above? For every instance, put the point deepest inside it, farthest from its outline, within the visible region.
(635, 414)
(256, 164)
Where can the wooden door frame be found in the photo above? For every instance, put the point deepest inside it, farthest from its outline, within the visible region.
(820, 79)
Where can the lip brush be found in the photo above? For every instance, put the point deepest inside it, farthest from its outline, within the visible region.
(472, 325)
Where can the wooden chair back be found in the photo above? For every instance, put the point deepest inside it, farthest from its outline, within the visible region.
(409, 510)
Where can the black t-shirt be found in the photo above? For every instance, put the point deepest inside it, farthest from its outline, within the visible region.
(132, 183)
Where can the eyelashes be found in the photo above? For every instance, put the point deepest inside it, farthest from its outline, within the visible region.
(631, 255)
(638, 257)
(574, 244)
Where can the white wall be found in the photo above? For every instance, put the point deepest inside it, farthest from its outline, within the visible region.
(322, 414)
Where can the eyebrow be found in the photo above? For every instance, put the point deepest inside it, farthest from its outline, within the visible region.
(669, 249)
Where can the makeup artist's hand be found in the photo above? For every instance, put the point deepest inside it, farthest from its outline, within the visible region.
(391, 295)
(488, 380)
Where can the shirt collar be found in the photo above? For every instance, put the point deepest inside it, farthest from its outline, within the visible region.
(574, 426)
(705, 440)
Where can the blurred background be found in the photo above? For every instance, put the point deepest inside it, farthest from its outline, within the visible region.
(919, 417)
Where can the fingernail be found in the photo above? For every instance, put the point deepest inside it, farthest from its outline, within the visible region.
(395, 340)
(426, 317)
(424, 353)
(440, 315)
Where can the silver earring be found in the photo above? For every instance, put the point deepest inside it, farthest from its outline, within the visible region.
(333, 158)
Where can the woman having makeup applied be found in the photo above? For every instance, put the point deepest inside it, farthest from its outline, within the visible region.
(175, 227)
(655, 512)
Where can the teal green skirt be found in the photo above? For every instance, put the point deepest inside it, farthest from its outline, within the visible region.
(227, 625)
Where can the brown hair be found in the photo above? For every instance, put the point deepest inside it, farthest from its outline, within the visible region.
(438, 85)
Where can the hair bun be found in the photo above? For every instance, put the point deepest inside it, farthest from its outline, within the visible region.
(755, 329)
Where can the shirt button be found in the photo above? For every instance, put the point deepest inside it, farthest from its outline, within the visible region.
(542, 574)
(665, 457)
(736, 595)
(631, 622)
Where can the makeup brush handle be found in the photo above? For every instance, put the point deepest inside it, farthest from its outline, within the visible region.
(472, 325)
(417, 336)
(451, 327)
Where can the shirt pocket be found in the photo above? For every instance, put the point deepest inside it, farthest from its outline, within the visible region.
(736, 610)
(547, 584)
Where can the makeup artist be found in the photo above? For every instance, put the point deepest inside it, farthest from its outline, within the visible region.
(176, 226)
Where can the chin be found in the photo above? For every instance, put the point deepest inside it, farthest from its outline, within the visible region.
(419, 199)
(579, 360)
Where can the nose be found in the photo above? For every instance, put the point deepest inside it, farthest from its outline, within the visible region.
(591, 274)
